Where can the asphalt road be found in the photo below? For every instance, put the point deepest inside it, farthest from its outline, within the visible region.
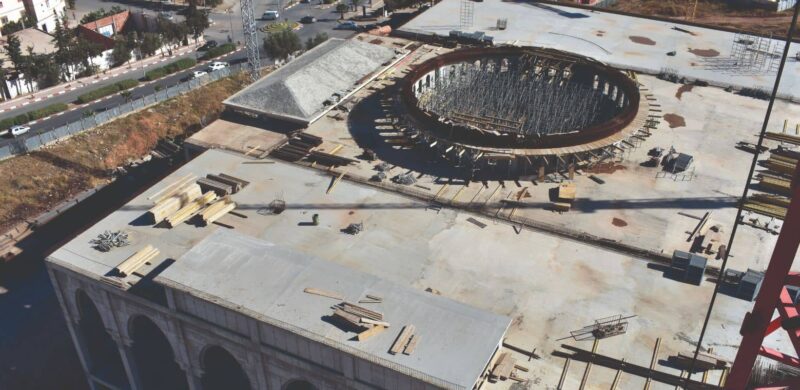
(327, 20)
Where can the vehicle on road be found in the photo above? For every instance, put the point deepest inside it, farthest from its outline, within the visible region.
(347, 25)
(199, 73)
(15, 131)
(166, 15)
(217, 65)
(208, 45)
(308, 19)
(270, 15)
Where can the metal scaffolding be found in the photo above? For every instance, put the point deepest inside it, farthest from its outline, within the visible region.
(523, 98)
(755, 54)
(251, 39)
(467, 13)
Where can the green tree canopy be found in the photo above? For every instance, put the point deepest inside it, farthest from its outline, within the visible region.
(279, 45)
(316, 40)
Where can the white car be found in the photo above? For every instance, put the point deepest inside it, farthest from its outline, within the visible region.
(18, 130)
(270, 15)
(217, 65)
(199, 73)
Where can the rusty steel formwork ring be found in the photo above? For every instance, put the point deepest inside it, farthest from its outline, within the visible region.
(432, 126)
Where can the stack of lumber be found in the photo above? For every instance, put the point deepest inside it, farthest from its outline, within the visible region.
(221, 189)
(235, 183)
(503, 368)
(704, 362)
(216, 210)
(566, 194)
(135, 261)
(190, 209)
(358, 316)
(777, 184)
(789, 139)
(329, 158)
(172, 198)
(765, 207)
(298, 147)
(406, 341)
(781, 164)
(771, 199)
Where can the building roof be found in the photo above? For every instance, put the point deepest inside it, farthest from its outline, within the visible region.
(268, 279)
(118, 21)
(40, 41)
(298, 91)
(92, 30)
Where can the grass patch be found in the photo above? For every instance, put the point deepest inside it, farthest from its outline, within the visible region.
(107, 90)
(218, 51)
(280, 26)
(54, 174)
(181, 64)
(22, 119)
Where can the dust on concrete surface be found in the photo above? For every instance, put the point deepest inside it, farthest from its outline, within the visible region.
(642, 40)
(683, 89)
(704, 52)
(609, 167)
(675, 120)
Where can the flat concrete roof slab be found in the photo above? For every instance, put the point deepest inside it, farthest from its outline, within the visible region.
(623, 41)
(269, 279)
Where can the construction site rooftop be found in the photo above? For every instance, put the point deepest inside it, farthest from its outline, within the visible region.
(636, 43)
(268, 280)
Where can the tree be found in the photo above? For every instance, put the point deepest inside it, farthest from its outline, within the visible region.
(196, 20)
(63, 40)
(358, 3)
(3, 77)
(84, 51)
(101, 13)
(316, 40)
(121, 53)
(150, 43)
(279, 45)
(342, 8)
(14, 50)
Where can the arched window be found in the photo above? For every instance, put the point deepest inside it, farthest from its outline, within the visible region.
(221, 371)
(103, 355)
(154, 357)
(299, 385)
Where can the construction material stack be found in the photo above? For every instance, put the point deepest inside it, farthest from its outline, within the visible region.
(136, 261)
(217, 209)
(190, 209)
(172, 198)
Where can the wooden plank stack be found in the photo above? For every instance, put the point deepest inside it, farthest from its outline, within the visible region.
(216, 210)
(403, 340)
(781, 164)
(789, 139)
(358, 316)
(135, 261)
(504, 367)
(219, 188)
(190, 209)
(776, 184)
(170, 199)
(235, 183)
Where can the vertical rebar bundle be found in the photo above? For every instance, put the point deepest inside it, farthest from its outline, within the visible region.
(523, 96)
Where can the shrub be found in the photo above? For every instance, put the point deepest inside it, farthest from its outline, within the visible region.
(218, 51)
(181, 64)
(107, 90)
(24, 118)
(756, 93)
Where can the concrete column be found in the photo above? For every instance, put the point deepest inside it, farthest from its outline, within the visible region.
(194, 378)
(124, 345)
(72, 323)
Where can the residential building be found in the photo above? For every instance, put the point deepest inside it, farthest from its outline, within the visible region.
(11, 11)
(46, 12)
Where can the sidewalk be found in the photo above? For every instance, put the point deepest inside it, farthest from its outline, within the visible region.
(24, 100)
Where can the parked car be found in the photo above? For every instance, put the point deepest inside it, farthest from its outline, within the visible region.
(199, 73)
(270, 15)
(16, 130)
(208, 45)
(167, 15)
(217, 65)
(308, 19)
(346, 25)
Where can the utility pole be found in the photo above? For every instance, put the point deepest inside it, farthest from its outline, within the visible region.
(250, 33)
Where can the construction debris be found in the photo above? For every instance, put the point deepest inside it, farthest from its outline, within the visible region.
(324, 293)
(109, 240)
(135, 261)
(602, 328)
(168, 205)
(503, 368)
(370, 332)
(405, 179)
(354, 228)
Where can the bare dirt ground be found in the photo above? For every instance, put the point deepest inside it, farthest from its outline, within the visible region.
(52, 175)
(717, 13)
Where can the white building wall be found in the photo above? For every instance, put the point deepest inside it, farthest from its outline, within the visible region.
(46, 12)
(11, 11)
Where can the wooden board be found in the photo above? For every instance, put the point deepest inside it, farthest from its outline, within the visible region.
(324, 293)
(412, 344)
(402, 339)
(370, 332)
